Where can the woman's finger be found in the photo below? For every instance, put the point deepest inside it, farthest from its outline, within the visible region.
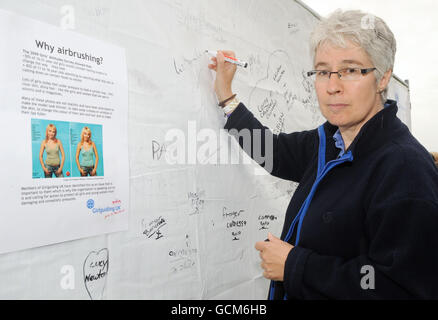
(228, 53)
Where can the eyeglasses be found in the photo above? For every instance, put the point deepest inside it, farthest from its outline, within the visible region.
(347, 74)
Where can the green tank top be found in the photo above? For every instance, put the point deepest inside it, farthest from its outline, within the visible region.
(87, 157)
(52, 155)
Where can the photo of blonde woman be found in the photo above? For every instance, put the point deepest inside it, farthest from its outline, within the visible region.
(52, 146)
(87, 156)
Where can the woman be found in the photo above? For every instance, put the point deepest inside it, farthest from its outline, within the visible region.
(363, 221)
(52, 146)
(87, 150)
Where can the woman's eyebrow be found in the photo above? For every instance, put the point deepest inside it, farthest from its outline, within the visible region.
(322, 64)
(352, 62)
(325, 64)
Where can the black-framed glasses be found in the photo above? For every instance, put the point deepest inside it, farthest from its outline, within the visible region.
(347, 74)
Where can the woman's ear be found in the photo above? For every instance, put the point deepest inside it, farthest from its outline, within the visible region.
(384, 81)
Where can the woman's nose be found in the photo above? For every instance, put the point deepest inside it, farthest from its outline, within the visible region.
(334, 84)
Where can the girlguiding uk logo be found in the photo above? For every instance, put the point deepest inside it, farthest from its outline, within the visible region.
(90, 204)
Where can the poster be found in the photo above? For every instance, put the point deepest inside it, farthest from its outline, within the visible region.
(63, 118)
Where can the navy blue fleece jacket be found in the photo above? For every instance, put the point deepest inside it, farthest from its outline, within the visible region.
(377, 208)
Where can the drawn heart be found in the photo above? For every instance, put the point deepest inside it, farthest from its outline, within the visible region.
(95, 272)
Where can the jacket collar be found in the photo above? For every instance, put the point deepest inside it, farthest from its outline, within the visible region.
(374, 133)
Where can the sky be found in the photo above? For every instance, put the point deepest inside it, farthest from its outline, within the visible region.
(415, 27)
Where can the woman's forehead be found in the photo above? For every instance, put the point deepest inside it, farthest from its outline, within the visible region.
(330, 55)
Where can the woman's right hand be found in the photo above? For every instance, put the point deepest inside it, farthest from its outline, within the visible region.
(82, 172)
(225, 72)
(46, 170)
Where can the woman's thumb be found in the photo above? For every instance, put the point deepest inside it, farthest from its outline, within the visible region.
(271, 237)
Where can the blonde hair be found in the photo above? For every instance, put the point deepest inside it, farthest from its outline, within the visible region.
(367, 31)
(51, 126)
(88, 130)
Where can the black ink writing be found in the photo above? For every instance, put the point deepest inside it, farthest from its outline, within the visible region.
(95, 270)
(157, 150)
(196, 202)
(153, 228)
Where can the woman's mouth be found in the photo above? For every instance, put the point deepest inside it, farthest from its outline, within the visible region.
(338, 105)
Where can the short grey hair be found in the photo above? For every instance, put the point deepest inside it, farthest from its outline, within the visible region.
(365, 30)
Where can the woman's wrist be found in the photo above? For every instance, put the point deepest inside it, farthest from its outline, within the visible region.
(226, 101)
(230, 106)
(224, 95)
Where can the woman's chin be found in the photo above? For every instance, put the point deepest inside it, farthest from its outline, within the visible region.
(336, 121)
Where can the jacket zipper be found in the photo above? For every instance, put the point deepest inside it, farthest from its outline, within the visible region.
(323, 169)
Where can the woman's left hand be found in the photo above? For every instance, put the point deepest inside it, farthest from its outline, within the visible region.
(93, 172)
(59, 171)
(273, 254)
